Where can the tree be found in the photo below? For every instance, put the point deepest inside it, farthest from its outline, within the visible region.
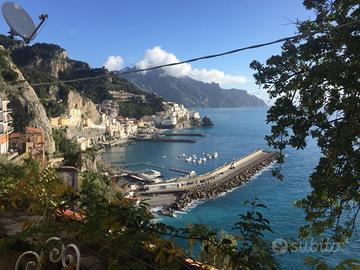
(315, 81)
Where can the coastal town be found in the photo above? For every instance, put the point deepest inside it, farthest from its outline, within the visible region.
(114, 129)
(85, 133)
(167, 135)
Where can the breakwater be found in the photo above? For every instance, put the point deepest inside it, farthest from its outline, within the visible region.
(159, 139)
(184, 134)
(214, 189)
(190, 188)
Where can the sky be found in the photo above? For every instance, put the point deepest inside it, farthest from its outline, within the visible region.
(143, 33)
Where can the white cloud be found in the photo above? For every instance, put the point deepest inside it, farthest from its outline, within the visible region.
(157, 56)
(114, 62)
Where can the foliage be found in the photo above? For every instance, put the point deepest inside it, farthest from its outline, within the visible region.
(320, 264)
(29, 55)
(65, 146)
(29, 187)
(116, 231)
(138, 108)
(246, 250)
(315, 81)
(7, 73)
(96, 90)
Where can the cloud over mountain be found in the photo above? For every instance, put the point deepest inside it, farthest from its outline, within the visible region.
(158, 56)
(114, 62)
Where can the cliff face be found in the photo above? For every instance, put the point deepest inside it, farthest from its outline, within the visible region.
(47, 58)
(27, 108)
(87, 107)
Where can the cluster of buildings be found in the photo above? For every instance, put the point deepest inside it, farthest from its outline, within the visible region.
(174, 115)
(86, 133)
(32, 140)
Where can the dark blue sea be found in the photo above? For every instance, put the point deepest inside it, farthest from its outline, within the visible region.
(236, 132)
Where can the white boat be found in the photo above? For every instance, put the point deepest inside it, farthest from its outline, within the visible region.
(151, 175)
(215, 155)
(194, 160)
(192, 173)
(199, 161)
(164, 156)
(188, 159)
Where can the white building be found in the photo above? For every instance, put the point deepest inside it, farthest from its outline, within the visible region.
(5, 126)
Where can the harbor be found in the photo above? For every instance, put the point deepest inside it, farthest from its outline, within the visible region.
(180, 192)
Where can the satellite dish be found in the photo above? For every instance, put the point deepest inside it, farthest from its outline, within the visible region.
(20, 22)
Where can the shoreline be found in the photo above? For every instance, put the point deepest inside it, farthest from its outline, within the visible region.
(217, 189)
(167, 203)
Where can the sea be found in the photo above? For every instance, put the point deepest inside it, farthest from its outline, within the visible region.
(236, 132)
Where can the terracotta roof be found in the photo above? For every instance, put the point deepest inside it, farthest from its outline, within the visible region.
(34, 130)
(14, 135)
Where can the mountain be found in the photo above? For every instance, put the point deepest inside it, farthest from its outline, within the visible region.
(192, 93)
(27, 108)
(43, 62)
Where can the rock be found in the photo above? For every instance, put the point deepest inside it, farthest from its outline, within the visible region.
(211, 190)
(87, 107)
(87, 162)
(27, 108)
(48, 58)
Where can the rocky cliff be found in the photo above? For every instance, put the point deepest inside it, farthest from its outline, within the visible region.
(87, 107)
(48, 58)
(27, 108)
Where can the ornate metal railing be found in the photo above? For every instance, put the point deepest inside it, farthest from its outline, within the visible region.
(55, 255)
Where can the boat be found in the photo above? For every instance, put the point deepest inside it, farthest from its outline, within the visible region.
(164, 156)
(215, 155)
(194, 160)
(199, 161)
(188, 159)
(151, 176)
(192, 173)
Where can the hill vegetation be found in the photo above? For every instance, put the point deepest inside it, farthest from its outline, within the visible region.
(192, 93)
(44, 62)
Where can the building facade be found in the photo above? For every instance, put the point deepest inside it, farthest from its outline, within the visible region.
(32, 141)
(5, 125)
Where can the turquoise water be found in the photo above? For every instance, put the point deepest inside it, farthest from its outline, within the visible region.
(237, 132)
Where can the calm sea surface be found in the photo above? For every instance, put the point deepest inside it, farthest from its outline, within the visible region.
(238, 131)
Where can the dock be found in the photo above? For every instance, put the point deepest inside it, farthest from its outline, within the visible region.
(188, 188)
(141, 163)
(179, 170)
(114, 143)
(159, 139)
(184, 134)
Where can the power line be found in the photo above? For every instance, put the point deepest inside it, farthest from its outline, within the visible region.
(118, 73)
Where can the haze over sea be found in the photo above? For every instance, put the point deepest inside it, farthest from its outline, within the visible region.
(237, 132)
